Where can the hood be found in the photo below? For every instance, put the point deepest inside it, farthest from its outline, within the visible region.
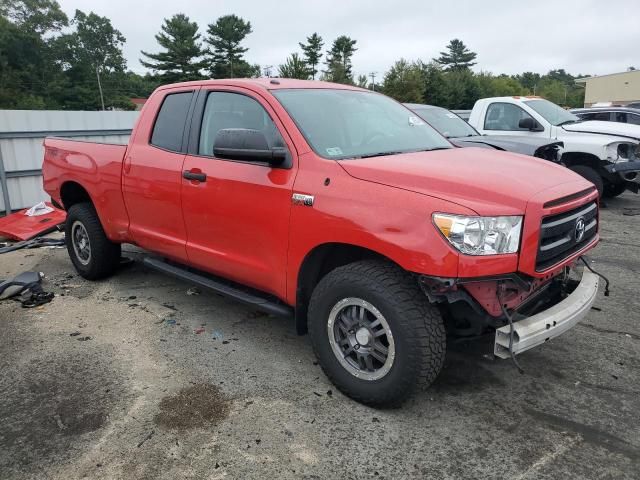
(517, 144)
(487, 181)
(626, 130)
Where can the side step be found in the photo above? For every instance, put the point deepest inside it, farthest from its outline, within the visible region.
(246, 295)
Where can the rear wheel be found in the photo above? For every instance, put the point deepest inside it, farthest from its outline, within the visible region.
(375, 334)
(93, 255)
(590, 174)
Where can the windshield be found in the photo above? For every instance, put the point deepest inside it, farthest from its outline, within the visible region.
(341, 124)
(551, 112)
(447, 123)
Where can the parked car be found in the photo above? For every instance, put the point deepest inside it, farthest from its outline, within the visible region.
(609, 114)
(605, 153)
(339, 207)
(634, 105)
(461, 134)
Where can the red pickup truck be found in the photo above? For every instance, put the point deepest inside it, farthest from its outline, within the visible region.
(341, 208)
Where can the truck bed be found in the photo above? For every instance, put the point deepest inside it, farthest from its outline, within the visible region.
(97, 168)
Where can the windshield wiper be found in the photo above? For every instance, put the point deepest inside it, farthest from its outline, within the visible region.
(379, 154)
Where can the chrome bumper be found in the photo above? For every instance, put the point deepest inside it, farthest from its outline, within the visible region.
(550, 323)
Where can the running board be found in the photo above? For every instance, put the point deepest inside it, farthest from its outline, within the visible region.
(246, 295)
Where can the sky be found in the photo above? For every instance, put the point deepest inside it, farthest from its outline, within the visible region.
(582, 36)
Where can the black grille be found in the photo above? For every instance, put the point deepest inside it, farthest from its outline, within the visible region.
(559, 234)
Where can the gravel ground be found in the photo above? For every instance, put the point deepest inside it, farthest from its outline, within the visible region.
(134, 378)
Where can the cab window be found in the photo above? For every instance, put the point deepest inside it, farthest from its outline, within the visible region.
(170, 122)
(505, 116)
(234, 110)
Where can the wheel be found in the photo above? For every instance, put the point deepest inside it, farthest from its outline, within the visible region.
(93, 255)
(590, 174)
(374, 332)
(614, 189)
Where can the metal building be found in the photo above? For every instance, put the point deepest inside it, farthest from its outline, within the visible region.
(21, 151)
(617, 88)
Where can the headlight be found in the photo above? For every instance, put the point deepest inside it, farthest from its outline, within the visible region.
(622, 151)
(480, 235)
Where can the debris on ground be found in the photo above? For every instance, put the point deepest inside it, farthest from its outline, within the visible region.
(27, 286)
(83, 339)
(199, 330)
(148, 437)
(193, 291)
(22, 226)
(217, 335)
(33, 243)
(631, 211)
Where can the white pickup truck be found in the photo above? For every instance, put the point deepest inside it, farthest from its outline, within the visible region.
(605, 153)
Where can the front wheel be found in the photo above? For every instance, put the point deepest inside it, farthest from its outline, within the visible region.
(590, 174)
(614, 189)
(375, 334)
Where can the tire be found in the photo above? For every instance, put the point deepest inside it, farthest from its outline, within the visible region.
(416, 344)
(590, 174)
(103, 256)
(614, 189)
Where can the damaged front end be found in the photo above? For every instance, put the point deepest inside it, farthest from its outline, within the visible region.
(479, 306)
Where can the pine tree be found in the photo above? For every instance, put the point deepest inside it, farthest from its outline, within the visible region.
(226, 59)
(294, 67)
(339, 60)
(312, 52)
(458, 56)
(180, 60)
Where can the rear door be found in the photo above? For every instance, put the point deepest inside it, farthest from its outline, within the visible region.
(152, 175)
(237, 215)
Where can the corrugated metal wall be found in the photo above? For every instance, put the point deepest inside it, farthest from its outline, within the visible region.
(21, 151)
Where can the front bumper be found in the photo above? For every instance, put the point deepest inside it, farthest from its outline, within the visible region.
(537, 329)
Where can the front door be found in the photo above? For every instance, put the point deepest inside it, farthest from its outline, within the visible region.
(236, 212)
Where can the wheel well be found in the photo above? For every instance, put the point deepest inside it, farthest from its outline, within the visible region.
(579, 158)
(72, 193)
(318, 263)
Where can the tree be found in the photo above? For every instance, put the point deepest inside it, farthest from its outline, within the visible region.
(180, 59)
(362, 81)
(91, 58)
(461, 89)
(528, 80)
(312, 51)
(458, 56)
(294, 67)
(491, 86)
(339, 60)
(404, 82)
(37, 16)
(226, 60)
(434, 84)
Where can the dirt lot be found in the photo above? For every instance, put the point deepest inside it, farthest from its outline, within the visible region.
(112, 380)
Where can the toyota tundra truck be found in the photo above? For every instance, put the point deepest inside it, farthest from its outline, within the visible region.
(342, 209)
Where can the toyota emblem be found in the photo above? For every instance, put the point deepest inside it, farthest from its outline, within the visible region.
(578, 233)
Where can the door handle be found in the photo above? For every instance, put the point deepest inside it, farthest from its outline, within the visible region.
(198, 176)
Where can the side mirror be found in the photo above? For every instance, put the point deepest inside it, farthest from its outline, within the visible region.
(530, 124)
(248, 145)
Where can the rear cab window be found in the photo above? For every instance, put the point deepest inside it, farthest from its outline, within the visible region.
(168, 130)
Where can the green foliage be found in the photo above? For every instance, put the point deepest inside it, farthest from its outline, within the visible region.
(226, 58)
(500, 86)
(181, 59)
(362, 81)
(434, 84)
(37, 16)
(294, 67)
(339, 67)
(404, 82)
(457, 56)
(312, 51)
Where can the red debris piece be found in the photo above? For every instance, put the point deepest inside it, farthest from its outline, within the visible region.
(18, 226)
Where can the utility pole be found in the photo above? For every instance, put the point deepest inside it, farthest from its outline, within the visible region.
(373, 81)
(100, 87)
